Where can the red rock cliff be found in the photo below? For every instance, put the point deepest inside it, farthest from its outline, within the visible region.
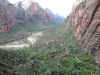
(6, 20)
(86, 17)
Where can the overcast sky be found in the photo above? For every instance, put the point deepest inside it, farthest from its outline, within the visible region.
(61, 7)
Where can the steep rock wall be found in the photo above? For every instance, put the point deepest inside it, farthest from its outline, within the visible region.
(86, 18)
(6, 20)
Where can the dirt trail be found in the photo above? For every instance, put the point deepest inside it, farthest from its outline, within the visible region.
(29, 41)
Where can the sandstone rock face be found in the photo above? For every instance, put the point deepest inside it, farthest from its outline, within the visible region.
(35, 13)
(11, 15)
(87, 20)
(6, 21)
(33, 8)
(18, 13)
(11, 8)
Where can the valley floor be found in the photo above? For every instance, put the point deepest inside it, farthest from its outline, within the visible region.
(56, 52)
(31, 40)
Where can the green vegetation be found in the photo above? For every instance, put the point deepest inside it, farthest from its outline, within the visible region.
(21, 31)
(62, 56)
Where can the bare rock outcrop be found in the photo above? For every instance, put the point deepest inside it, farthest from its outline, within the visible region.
(36, 13)
(6, 20)
(33, 8)
(86, 18)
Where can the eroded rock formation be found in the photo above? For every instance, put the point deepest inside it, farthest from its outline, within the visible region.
(87, 20)
(6, 20)
(36, 13)
(11, 15)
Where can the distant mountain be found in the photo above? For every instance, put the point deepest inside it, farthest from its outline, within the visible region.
(18, 13)
(35, 12)
(12, 15)
(7, 21)
(54, 18)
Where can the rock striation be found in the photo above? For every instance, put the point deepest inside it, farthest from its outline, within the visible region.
(86, 18)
